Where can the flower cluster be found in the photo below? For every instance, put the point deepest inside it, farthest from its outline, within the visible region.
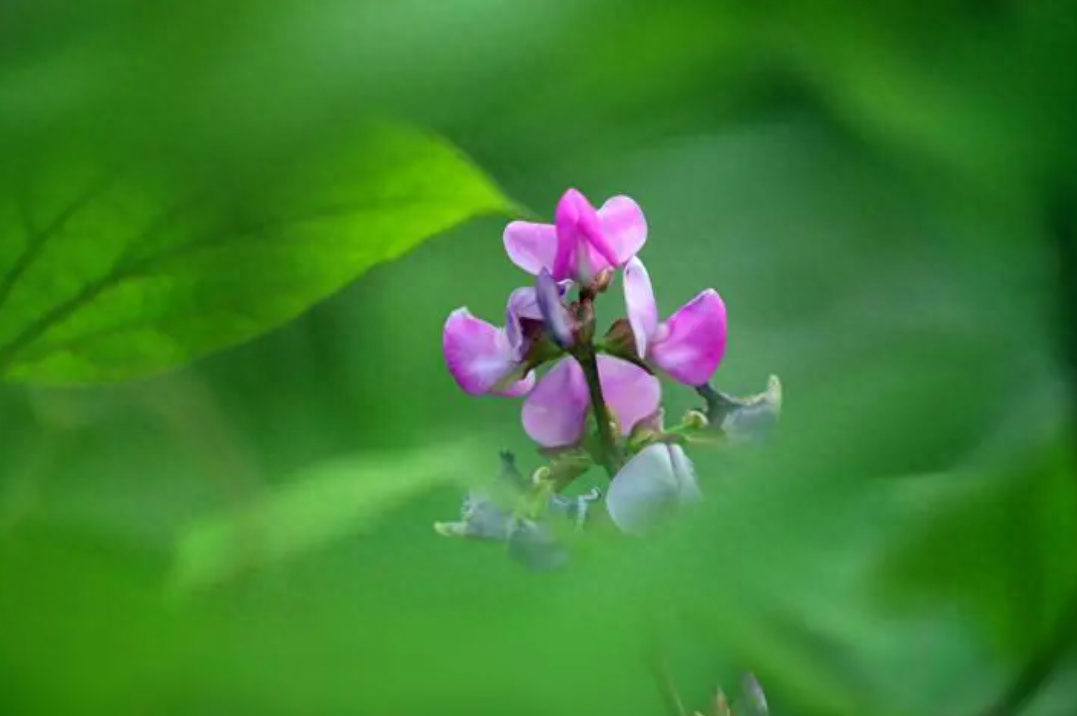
(580, 250)
(600, 397)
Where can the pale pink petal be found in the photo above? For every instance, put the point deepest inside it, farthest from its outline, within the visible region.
(589, 262)
(531, 246)
(624, 226)
(518, 389)
(555, 412)
(478, 354)
(692, 342)
(640, 304)
(631, 393)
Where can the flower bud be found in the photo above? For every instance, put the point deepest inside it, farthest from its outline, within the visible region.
(555, 317)
(695, 419)
(602, 280)
(540, 475)
(620, 340)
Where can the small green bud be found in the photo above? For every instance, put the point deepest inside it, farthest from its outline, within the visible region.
(602, 281)
(540, 476)
(695, 419)
(620, 341)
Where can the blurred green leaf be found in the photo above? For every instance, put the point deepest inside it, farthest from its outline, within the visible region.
(107, 274)
(997, 545)
(323, 503)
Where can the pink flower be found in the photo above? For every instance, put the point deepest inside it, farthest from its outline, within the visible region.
(484, 358)
(555, 412)
(690, 345)
(582, 241)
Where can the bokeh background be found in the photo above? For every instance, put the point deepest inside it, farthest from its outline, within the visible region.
(883, 193)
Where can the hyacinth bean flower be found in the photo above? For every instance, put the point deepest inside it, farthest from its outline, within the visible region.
(582, 241)
(690, 345)
(484, 358)
(555, 413)
(531, 542)
(655, 481)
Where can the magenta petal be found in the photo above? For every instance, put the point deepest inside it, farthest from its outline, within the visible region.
(640, 304)
(531, 246)
(624, 226)
(631, 393)
(555, 411)
(579, 239)
(478, 354)
(590, 262)
(693, 340)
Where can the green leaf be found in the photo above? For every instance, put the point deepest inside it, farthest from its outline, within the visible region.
(996, 545)
(323, 503)
(109, 274)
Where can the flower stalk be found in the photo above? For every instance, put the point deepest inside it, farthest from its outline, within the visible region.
(609, 455)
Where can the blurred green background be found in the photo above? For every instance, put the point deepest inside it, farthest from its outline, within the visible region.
(885, 194)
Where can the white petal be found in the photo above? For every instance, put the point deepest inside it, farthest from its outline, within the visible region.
(644, 489)
(684, 472)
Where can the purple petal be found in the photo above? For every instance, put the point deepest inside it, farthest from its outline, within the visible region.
(640, 303)
(522, 304)
(644, 490)
(555, 411)
(555, 316)
(691, 344)
(478, 354)
(631, 393)
(624, 226)
(531, 246)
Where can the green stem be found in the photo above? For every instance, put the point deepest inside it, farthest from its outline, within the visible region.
(609, 454)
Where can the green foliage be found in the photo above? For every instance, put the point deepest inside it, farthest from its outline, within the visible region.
(321, 504)
(111, 273)
(874, 189)
(991, 546)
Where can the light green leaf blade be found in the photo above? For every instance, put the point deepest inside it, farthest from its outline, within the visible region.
(324, 503)
(108, 274)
